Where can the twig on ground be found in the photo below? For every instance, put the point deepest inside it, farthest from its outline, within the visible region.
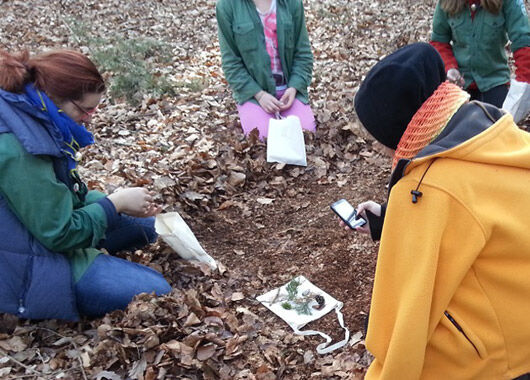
(20, 363)
(49, 375)
(73, 344)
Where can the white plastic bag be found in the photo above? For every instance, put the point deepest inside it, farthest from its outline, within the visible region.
(176, 233)
(285, 141)
(517, 101)
(285, 307)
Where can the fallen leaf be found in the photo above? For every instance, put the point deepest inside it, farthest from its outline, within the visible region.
(192, 320)
(265, 201)
(205, 352)
(5, 371)
(138, 369)
(236, 179)
(108, 375)
(237, 296)
(15, 344)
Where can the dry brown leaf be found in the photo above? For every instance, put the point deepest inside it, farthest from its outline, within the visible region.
(226, 204)
(206, 352)
(264, 201)
(237, 296)
(138, 369)
(192, 320)
(108, 375)
(14, 344)
(264, 373)
(236, 179)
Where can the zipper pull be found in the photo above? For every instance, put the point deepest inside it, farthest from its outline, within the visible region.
(415, 195)
(21, 308)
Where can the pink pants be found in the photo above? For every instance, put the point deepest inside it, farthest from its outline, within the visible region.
(252, 116)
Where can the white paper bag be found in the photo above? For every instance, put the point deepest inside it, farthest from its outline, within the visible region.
(176, 233)
(285, 307)
(285, 141)
(517, 101)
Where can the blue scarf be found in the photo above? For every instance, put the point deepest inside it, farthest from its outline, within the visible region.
(75, 136)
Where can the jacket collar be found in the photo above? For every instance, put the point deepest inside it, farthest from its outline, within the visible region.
(470, 120)
(32, 127)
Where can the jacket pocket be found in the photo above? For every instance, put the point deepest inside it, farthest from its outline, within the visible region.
(459, 30)
(468, 334)
(245, 36)
(493, 30)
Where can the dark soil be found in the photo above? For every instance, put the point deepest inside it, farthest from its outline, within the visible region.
(300, 235)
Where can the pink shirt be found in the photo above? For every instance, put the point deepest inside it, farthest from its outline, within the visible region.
(268, 19)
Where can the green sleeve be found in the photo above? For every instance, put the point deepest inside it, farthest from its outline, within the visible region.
(302, 70)
(43, 204)
(93, 196)
(516, 21)
(441, 31)
(237, 75)
(80, 260)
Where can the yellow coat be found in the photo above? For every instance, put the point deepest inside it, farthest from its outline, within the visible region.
(451, 297)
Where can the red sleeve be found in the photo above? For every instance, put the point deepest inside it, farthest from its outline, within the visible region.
(446, 51)
(522, 64)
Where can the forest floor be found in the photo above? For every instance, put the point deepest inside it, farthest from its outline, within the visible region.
(264, 223)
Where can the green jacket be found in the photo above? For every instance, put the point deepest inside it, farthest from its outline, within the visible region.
(245, 60)
(478, 45)
(55, 216)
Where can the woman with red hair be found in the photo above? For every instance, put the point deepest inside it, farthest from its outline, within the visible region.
(53, 227)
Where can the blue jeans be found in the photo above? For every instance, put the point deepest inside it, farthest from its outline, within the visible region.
(110, 283)
(495, 95)
(130, 233)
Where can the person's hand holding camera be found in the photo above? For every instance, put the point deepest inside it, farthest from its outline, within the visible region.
(135, 201)
(373, 207)
(268, 102)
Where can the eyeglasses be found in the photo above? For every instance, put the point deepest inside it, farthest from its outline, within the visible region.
(87, 112)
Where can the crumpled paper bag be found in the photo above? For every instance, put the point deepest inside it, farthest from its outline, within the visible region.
(177, 234)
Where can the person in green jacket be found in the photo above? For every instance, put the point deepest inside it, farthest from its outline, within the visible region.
(53, 229)
(471, 37)
(267, 60)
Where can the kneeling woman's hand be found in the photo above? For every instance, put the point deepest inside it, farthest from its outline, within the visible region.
(135, 201)
(287, 98)
(268, 102)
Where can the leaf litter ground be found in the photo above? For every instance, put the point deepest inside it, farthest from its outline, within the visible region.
(264, 223)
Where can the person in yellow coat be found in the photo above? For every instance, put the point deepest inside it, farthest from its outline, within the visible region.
(451, 297)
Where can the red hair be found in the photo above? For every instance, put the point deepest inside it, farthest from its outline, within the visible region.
(61, 74)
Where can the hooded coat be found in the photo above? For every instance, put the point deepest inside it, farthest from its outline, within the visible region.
(49, 221)
(451, 295)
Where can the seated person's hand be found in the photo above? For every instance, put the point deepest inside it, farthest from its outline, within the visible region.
(287, 98)
(454, 76)
(135, 201)
(268, 102)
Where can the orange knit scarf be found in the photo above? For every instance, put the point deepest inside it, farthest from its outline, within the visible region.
(430, 120)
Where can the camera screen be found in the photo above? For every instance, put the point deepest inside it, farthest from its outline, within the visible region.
(345, 210)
